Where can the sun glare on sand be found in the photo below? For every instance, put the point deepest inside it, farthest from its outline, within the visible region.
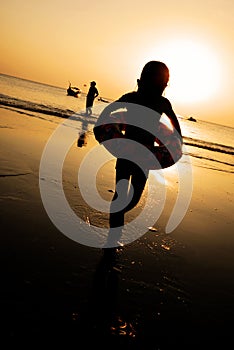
(194, 71)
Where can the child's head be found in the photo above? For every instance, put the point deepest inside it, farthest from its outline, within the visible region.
(154, 77)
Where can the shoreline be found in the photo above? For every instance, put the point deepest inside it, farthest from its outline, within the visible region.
(176, 284)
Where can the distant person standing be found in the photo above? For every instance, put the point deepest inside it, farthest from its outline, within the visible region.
(92, 94)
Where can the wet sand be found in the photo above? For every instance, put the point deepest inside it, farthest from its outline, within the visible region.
(160, 292)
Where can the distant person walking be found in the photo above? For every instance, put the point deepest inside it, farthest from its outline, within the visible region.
(92, 94)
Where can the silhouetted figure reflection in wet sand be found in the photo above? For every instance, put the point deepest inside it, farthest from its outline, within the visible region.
(92, 94)
(82, 140)
(82, 136)
(108, 323)
(151, 85)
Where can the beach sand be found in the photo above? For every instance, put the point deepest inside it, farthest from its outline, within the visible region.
(163, 291)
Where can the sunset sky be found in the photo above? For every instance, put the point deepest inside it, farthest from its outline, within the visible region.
(110, 41)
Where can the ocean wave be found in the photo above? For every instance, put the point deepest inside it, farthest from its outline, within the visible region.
(43, 109)
(210, 146)
(47, 109)
(34, 107)
(210, 159)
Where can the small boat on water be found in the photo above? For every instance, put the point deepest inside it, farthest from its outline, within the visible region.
(73, 91)
(192, 119)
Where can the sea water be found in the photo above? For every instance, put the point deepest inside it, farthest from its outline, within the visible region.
(210, 145)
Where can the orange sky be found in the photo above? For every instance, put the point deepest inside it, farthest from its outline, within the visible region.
(59, 40)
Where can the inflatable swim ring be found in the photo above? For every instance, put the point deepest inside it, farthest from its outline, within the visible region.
(166, 148)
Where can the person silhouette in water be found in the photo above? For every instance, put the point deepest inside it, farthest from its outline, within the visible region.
(92, 94)
(151, 85)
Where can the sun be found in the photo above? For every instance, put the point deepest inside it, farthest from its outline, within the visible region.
(195, 71)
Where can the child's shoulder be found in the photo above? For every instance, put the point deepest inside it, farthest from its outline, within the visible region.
(130, 97)
(164, 99)
(165, 102)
